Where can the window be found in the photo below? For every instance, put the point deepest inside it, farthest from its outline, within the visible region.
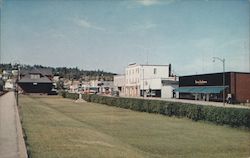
(34, 76)
(155, 70)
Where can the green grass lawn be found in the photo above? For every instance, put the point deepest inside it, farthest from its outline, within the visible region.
(58, 127)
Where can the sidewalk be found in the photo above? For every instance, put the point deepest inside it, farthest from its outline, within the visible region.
(11, 138)
(200, 102)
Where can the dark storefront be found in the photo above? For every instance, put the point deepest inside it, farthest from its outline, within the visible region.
(36, 87)
(209, 87)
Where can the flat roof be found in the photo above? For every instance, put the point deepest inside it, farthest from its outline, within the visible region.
(216, 73)
(134, 65)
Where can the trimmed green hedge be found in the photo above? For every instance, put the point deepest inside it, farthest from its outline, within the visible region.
(234, 117)
(69, 95)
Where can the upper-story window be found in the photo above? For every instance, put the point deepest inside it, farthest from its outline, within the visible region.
(35, 76)
(155, 70)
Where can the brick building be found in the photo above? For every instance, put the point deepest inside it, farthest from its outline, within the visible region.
(209, 87)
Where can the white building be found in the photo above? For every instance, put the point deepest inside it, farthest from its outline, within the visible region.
(9, 84)
(147, 80)
(119, 84)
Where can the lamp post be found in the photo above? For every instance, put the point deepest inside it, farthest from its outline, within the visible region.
(16, 64)
(142, 81)
(223, 63)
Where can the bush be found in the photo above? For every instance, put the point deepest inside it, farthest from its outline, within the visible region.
(234, 117)
(71, 95)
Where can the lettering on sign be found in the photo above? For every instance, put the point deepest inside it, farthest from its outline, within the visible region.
(200, 82)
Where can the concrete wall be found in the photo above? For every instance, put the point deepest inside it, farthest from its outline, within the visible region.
(167, 91)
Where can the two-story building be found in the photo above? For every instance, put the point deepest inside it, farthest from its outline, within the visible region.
(147, 80)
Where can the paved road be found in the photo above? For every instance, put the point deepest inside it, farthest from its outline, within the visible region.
(11, 138)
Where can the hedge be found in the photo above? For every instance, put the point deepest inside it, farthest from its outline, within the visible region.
(235, 117)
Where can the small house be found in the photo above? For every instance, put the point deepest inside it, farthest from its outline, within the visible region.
(37, 80)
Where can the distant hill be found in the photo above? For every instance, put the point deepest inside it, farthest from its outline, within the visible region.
(68, 73)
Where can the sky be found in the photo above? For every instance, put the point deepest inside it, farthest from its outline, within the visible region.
(110, 34)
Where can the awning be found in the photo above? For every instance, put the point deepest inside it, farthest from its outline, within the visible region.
(200, 89)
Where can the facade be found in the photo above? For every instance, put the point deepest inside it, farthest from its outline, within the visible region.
(168, 87)
(119, 84)
(9, 84)
(36, 81)
(209, 87)
(7, 74)
(146, 80)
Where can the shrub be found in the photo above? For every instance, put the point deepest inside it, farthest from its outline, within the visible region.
(234, 117)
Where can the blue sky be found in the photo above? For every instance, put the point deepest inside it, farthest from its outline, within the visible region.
(110, 34)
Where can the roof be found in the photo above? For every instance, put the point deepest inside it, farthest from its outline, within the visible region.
(42, 71)
(152, 65)
(216, 73)
(39, 80)
(135, 64)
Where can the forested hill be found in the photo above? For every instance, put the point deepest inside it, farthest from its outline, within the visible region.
(65, 72)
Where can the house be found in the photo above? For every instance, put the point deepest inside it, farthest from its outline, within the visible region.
(9, 84)
(75, 85)
(66, 84)
(7, 74)
(36, 80)
(106, 87)
(210, 87)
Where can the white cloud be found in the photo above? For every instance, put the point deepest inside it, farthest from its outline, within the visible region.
(143, 26)
(148, 2)
(86, 24)
(83, 23)
(149, 25)
(154, 2)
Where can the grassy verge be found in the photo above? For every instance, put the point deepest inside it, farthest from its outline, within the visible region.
(58, 127)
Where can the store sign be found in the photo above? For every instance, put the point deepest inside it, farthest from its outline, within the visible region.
(200, 82)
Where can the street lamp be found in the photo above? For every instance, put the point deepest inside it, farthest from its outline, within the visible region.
(16, 64)
(223, 62)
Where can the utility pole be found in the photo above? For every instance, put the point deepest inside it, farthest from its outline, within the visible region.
(223, 64)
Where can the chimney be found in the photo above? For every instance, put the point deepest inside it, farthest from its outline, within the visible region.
(169, 70)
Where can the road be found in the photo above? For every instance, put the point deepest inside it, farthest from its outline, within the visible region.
(11, 137)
